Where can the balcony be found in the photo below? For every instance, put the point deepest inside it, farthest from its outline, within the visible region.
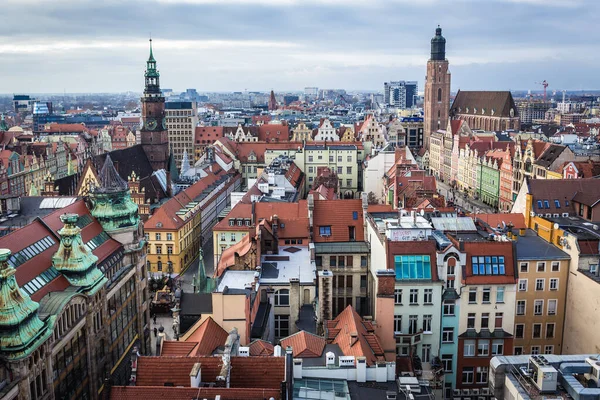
(408, 339)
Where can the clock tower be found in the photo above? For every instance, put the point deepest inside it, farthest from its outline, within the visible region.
(153, 130)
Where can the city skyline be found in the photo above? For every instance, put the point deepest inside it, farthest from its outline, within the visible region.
(287, 45)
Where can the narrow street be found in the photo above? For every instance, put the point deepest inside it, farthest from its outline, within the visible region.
(467, 204)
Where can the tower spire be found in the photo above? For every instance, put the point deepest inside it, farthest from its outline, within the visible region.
(151, 58)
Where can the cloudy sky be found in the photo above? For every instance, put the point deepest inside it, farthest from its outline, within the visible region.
(222, 45)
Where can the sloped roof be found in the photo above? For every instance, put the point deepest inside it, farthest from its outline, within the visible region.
(354, 336)
(585, 169)
(187, 393)
(487, 103)
(493, 220)
(261, 347)
(304, 344)
(201, 340)
(551, 153)
(274, 132)
(585, 191)
(339, 215)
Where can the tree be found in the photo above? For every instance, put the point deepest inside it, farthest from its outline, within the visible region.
(372, 199)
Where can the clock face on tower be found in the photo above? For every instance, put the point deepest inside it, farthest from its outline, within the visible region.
(151, 124)
(164, 123)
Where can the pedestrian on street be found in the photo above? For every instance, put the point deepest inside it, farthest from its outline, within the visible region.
(155, 332)
(154, 318)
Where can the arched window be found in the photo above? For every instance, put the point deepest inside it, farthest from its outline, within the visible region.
(159, 265)
(282, 297)
(440, 94)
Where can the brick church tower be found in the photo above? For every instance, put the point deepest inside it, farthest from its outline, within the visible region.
(437, 88)
(153, 131)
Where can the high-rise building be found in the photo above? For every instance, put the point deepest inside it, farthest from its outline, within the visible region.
(530, 110)
(400, 94)
(437, 88)
(182, 118)
(153, 130)
(311, 92)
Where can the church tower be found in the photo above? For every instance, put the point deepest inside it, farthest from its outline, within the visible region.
(153, 131)
(437, 88)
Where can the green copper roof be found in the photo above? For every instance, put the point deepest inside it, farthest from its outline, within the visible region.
(21, 330)
(111, 200)
(205, 284)
(151, 58)
(3, 125)
(151, 71)
(74, 260)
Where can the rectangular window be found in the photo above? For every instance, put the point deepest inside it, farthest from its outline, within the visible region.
(482, 375)
(169, 249)
(332, 261)
(414, 296)
(553, 283)
(169, 236)
(232, 238)
(555, 266)
(398, 323)
(397, 296)
(348, 182)
(158, 249)
(548, 349)
(522, 285)
(325, 230)
(488, 265)
(500, 294)
(485, 320)
(535, 350)
(538, 307)
(524, 267)
(282, 326)
(412, 324)
(518, 350)
(472, 295)
(363, 261)
(339, 158)
(539, 284)
(471, 321)
(487, 294)
(469, 349)
(498, 320)
(552, 307)
(349, 261)
(519, 331)
(497, 347)
(339, 170)
(428, 296)
(331, 158)
(341, 261)
(541, 267)
(447, 362)
(348, 170)
(319, 261)
(157, 236)
(448, 308)
(520, 307)
(427, 323)
(483, 347)
(412, 267)
(467, 375)
(448, 335)
(550, 331)
(537, 331)
(223, 238)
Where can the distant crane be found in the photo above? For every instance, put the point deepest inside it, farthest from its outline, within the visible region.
(545, 85)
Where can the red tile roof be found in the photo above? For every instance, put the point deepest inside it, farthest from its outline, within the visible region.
(413, 247)
(339, 215)
(354, 336)
(187, 393)
(304, 344)
(261, 348)
(274, 133)
(174, 348)
(208, 337)
(207, 134)
(246, 372)
(493, 220)
(293, 215)
(23, 237)
(65, 128)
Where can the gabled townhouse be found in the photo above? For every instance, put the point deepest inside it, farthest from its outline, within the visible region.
(326, 132)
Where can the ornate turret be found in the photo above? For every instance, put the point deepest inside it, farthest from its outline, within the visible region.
(111, 200)
(438, 46)
(21, 330)
(205, 284)
(152, 75)
(185, 164)
(74, 260)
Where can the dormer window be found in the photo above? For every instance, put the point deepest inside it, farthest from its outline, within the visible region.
(231, 222)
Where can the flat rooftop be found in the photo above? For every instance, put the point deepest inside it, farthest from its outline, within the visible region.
(581, 228)
(292, 262)
(533, 247)
(235, 280)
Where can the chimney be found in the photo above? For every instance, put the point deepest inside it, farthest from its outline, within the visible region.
(195, 376)
(277, 351)
(275, 220)
(253, 222)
